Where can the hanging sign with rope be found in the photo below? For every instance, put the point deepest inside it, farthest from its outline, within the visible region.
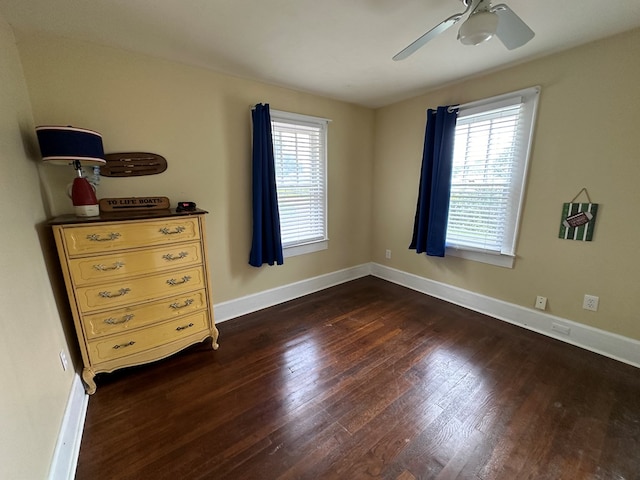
(578, 219)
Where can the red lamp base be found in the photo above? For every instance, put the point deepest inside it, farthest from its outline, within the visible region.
(84, 198)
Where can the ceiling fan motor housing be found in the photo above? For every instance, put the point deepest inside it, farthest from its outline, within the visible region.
(478, 28)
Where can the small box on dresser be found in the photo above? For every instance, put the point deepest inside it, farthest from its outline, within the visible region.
(138, 286)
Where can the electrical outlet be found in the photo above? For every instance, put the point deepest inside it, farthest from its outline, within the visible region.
(541, 303)
(387, 253)
(63, 360)
(591, 303)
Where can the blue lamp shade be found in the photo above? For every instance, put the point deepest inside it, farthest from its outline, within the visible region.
(64, 145)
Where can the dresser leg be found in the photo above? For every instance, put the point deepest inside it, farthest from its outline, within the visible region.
(214, 338)
(90, 385)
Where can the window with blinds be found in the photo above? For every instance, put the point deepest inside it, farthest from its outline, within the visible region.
(299, 147)
(491, 150)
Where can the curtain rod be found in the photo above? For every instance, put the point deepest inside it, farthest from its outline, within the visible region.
(515, 97)
(452, 108)
(470, 104)
(293, 115)
(514, 100)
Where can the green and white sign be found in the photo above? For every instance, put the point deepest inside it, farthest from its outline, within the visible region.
(578, 221)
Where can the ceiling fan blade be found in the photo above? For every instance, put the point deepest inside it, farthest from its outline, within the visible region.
(512, 31)
(431, 34)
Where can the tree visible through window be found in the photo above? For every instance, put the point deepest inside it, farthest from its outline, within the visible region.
(491, 152)
(299, 147)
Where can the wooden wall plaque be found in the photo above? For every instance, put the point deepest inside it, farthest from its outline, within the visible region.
(133, 164)
(133, 203)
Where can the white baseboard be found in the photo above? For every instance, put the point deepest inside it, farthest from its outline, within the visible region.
(252, 303)
(609, 344)
(605, 343)
(65, 456)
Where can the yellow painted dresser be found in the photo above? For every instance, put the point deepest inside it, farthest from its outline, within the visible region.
(138, 285)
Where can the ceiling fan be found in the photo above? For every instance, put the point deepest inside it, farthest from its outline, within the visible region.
(484, 21)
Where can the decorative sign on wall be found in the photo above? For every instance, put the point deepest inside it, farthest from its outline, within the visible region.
(133, 203)
(578, 219)
(133, 164)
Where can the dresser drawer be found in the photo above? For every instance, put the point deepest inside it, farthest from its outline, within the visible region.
(110, 267)
(100, 237)
(126, 291)
(129, 318)
(117, 346)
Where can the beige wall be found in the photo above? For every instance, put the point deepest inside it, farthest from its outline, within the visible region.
(35, 389)
(586, 136)
(200, 122)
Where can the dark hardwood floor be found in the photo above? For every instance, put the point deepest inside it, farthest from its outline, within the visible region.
(367, 380)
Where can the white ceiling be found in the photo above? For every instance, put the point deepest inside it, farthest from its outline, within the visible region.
(336, 48)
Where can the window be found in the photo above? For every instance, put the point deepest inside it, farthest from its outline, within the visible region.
(299, 149)
(490, 156)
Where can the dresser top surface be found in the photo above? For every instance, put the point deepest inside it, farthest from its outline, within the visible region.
(123, 216)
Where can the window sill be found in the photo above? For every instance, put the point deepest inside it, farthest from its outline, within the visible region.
(497, 259)
(296, 250)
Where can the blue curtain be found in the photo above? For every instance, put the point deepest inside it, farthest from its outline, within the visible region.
(432, 211)
(266, 245)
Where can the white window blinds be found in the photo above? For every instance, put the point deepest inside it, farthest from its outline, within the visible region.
(491, 150)
(299, 145)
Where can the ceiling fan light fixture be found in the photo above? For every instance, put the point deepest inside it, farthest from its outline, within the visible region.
(478, 28)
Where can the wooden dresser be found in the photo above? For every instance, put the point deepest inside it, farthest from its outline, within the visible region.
(138, 285)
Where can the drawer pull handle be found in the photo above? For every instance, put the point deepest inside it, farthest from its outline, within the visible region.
(185, 327)
(186, 303)
(121, 292)
(122, 345)
(173, 281)
(166, 231)
(113, 321)
(96, 238)
(115, 266)
(169, 256)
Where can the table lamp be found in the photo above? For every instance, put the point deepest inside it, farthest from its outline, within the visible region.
(74, 146)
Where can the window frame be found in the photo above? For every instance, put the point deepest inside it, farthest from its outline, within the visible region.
(296, 119)
(528, 98)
